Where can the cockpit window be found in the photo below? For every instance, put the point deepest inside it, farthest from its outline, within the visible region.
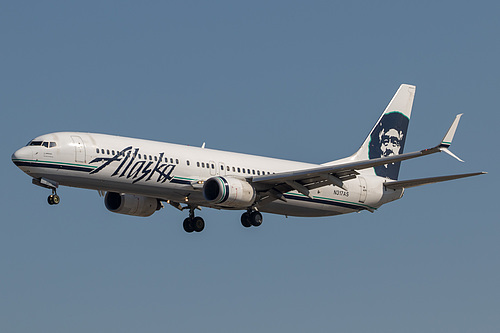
(46, 144)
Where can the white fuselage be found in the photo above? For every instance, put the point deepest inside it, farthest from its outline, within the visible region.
(172, 172)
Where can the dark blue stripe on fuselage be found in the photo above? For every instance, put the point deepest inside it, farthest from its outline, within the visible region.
(52, 166)
(324, 202)
(76, 168)
(180, 181)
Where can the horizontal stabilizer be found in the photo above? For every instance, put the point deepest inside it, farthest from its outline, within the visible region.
(424, 181)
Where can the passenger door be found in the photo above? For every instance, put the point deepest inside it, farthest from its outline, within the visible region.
(79, 149)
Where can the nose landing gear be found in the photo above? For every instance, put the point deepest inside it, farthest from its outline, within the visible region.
(53, 199)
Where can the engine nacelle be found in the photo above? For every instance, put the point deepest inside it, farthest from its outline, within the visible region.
(130, 204)
(229, 192)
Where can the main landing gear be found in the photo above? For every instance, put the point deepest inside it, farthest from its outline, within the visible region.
(193, 223)
(197, 224)
(251, 218)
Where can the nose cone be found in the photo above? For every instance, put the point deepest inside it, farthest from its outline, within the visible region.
(22, 155)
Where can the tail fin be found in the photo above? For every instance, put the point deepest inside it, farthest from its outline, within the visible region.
(388, 136)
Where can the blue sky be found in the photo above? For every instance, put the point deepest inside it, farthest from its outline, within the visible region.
(289, 79)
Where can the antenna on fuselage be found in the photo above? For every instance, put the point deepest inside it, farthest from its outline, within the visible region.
(203, 145)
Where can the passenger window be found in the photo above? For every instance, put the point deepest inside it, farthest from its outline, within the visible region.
(228, 169)
(198, 164)
(97, 150)
(253, 171)
(239, 170)
(156, 159)
(202, 164)
(171, 160)
(112, 152)
(187, 162)
(258, 173)
(234, 169)
(139, 156)
(243, 170)
(213, 166)
(176, 161)
(108, 151)
(102, 151)
(150, 157)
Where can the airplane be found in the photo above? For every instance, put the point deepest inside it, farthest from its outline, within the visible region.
(138, 176)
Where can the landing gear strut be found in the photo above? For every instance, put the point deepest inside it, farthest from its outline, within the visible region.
(53, 199)
(193, 223)
(251, 218)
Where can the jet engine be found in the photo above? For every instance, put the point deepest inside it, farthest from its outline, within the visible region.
(229, 192)
(130, 204)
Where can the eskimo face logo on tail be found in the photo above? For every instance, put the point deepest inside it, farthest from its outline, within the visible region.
(388, 139)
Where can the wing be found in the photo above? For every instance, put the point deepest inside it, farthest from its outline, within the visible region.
(273, 186)
(305, 180)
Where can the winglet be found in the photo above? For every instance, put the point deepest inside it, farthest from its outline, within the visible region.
(448, 138)
(447, 151)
